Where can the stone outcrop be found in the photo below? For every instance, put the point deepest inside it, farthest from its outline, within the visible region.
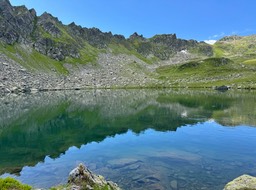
(82, 178)
(244, 182)
(166, 46)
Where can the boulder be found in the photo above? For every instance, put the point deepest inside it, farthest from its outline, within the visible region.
(244, 182)
(222, 88)
(82, 178)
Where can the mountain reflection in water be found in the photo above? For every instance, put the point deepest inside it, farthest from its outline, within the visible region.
(126, 136)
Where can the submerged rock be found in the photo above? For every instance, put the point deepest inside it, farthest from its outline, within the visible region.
(244, 182)
(174, 184)
(82, 178)
(222, 88)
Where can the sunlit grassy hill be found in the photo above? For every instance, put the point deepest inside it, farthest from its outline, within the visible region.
(233, 64)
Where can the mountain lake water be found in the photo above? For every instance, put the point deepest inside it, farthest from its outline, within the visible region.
(140, 139)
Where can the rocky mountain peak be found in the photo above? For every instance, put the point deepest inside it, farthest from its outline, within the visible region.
(4, 3)
(49, 24)
(33, 12)
(17, 23)
(231, 38)
(73, 25)
(47, 17)
(5, 7)
(164, 38)
(136, 36)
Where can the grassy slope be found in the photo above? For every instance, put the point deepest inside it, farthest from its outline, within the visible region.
(88, 54)
(35, 61)
(31, 59)
(239, 70)
(12, 184)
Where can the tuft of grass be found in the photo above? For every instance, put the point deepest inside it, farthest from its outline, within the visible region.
(250, 62)
(12, 184)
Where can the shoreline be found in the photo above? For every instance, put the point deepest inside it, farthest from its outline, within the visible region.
(17, 90)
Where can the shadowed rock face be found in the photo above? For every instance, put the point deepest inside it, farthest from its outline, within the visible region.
(17, 23)
(49, 36)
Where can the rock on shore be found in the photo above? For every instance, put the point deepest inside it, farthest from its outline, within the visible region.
(244, 182)
(82, 178)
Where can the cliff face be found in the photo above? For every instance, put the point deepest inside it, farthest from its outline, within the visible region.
(17, 23)
(47, 35)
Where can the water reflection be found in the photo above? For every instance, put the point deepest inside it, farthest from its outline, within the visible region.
(104, 125)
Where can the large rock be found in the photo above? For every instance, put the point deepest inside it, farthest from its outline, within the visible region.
(82, 178)
(244, 182)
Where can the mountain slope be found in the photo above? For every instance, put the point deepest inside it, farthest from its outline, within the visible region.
(58, 56)
(233, 64)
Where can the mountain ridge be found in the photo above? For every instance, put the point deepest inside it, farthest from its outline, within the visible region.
(50, 37)
(57, 56)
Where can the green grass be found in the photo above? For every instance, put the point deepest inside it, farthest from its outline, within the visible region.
(207, 73)
(218, 51)
(31, 59)
(12, 184)
(244, 45)
(35, 61)
(121, 49)
(63, 38)
(200, 66)
(88, 54)
(250, 62)
(83, 187)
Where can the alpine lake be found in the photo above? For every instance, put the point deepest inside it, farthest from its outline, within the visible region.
(141, 139)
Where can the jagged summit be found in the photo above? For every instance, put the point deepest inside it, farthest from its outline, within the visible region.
(49, 17)
(135, 36)
(5, 2)
(47, 35)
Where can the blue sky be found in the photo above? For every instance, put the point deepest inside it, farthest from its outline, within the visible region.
(189, 19)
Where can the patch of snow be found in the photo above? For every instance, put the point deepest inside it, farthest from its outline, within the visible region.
(184, 51)
(184, 114)
(211, 42)
(211, 121)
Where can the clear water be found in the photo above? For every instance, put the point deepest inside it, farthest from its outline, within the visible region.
(140, 139)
